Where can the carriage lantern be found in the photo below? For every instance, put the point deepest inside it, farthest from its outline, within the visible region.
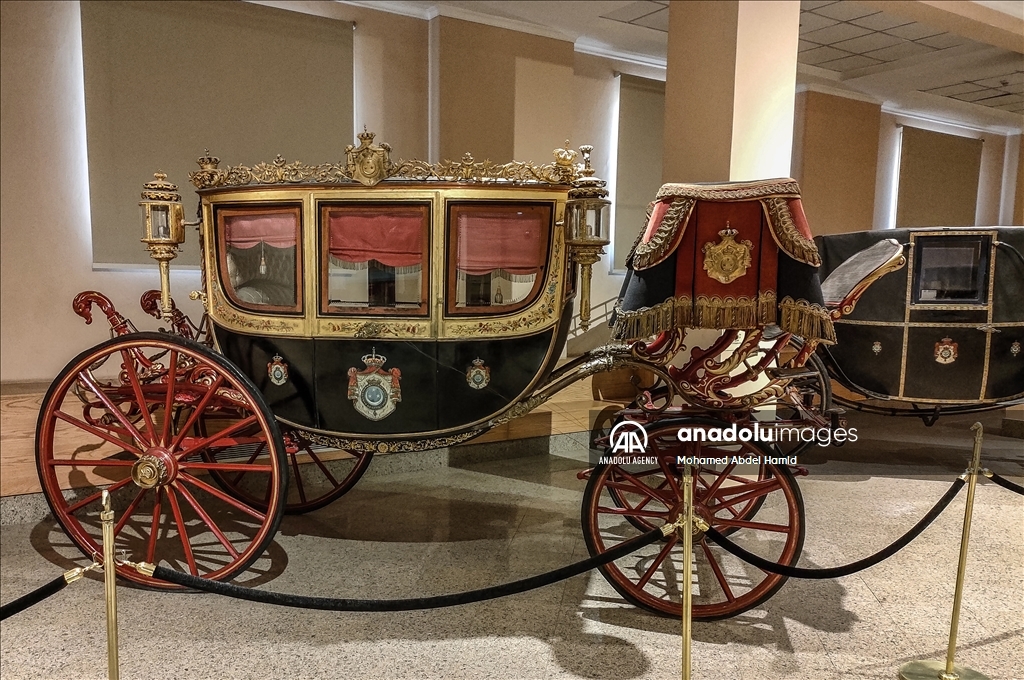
(163, 230)
(586, 217)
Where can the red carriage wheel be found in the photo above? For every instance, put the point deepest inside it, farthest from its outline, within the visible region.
(761, 508)
(317, 475)
(122, 415)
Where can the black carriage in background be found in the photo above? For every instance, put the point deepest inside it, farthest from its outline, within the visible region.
(942, 335)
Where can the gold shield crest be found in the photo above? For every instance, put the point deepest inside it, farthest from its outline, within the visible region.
(478, 376)
(946, 351)
(368, 164)
(727, 260)
(373, 391)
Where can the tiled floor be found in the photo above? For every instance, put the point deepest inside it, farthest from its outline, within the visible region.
(480, 523)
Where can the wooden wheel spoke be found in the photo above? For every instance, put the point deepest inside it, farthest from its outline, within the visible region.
(670, 477)
(140, 398)
(746, 497)
(96, 432)
(631, 512)
(112, 409)
(666, 549)
(747, 524)
(323, 468)
(639, 486)
(206, 442)
(185, 544)
(85, 462)
(185, 477)
(713, 489)
(154, 526)
(298, 478)
(96, 496)
(169, 381)
(199, 408)
(254, 456)
(227, 467)
(128, 511)
(717, 569)
(756, 488)
(205, 517)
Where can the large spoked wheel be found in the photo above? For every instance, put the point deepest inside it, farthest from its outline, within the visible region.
(317, 475)
(123, 416)
(758, 504)
(810, 393)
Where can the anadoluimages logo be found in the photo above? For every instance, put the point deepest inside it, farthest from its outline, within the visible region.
(628, 437)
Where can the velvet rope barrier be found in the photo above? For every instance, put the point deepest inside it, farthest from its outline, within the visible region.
(846, 570)
(1004, 482)
(408, 604)
(41, 593)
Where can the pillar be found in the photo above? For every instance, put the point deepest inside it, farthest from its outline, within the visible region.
(730, 90)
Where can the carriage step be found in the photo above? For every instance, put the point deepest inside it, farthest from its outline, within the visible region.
(791, 373)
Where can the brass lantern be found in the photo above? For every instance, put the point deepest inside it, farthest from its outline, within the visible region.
(586, 223)
(163, 230)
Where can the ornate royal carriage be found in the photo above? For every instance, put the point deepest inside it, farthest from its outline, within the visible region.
(376, 306)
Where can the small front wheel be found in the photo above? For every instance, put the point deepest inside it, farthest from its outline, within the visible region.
(123, 416)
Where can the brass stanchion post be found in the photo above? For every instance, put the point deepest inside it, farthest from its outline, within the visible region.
(932, 670)
(687, 585)
(109, 586)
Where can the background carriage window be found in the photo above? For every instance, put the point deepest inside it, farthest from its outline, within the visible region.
(260, 257)
(951, 270)
(500, 252)
(374, 258)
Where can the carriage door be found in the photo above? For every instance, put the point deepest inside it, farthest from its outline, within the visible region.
(375, 363)
(948, 334)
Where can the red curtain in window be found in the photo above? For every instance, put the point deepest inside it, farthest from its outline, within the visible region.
(393, 237)
(511, 239)
(280, 230)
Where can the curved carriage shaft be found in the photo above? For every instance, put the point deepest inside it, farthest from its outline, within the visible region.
(113, 419)
(758, 505)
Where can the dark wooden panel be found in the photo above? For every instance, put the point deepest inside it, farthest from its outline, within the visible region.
(855, 356)
(928, 379)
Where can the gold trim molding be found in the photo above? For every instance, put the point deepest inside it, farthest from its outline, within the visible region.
(370, 164)
(732, 191)
(666, 236)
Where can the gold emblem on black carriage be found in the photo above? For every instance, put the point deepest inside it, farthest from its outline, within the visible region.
(946, 351)
(876, 347)
(727, 260)
(374, 392)
(277, 370)
(478, 376)
(1015, 348)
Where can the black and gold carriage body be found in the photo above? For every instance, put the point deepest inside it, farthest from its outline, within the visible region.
(944, 331)
(380, 312)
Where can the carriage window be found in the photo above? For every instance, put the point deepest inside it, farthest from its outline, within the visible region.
(374, 258)
(498, 253)
(951, 270)
(259, 257)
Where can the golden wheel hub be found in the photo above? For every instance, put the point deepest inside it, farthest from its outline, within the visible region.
(149, 472)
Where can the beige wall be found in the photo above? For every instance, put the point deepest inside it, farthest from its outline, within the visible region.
(835, 154)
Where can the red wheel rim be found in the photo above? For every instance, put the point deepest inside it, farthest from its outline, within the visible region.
(762, 508)
(104, 418)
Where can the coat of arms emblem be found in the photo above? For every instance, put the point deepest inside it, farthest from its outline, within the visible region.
(946, 351)
(727, 260)
(368, 164)
(277, 370)
(478, 375)
(374, 392)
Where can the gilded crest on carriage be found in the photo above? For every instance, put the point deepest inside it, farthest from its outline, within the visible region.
(277, 370)
(478, 376)
(374, 392)
(368, 164)
(727, 260)
(946, 351)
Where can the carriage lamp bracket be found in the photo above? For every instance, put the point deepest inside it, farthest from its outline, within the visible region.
(586, 218)
(163, 230)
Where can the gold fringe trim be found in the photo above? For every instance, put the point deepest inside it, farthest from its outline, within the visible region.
(786, 235)
(714, 312)
(666, 237)
(732, 191)
(808, 320)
